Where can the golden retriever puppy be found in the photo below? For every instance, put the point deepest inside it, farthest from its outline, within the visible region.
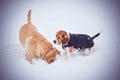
(35, 43)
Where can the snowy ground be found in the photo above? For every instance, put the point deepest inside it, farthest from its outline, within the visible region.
(74, 16)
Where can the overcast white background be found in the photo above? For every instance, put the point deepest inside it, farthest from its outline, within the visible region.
(74, 16)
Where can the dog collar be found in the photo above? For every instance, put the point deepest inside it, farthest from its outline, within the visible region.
(46, 54)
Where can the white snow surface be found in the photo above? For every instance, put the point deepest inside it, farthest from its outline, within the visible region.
(74, 16)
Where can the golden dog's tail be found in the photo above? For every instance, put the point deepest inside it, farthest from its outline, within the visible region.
(29, 16)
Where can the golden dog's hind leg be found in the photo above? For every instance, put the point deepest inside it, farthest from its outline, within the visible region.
(29, 53)
(29, 57)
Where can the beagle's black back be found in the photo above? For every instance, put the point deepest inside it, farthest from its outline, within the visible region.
(81, 41)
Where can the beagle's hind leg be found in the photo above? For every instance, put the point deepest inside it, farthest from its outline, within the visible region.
(85, 52)
(89, 49)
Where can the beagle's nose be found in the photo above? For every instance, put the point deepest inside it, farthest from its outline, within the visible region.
(54, 41)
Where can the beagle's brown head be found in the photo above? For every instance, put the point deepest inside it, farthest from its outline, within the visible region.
(61, 37)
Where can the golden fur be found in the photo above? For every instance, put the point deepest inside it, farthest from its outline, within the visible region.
(35, 43)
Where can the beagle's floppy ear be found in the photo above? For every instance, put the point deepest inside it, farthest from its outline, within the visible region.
(65, 40)
(64, 36)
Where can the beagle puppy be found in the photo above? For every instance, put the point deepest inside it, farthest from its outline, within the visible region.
(35, 43)
(74, 41)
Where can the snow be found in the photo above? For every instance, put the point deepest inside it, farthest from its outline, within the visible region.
(75, 16)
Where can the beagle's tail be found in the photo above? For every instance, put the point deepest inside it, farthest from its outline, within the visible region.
(93, 37)
(29, 16)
